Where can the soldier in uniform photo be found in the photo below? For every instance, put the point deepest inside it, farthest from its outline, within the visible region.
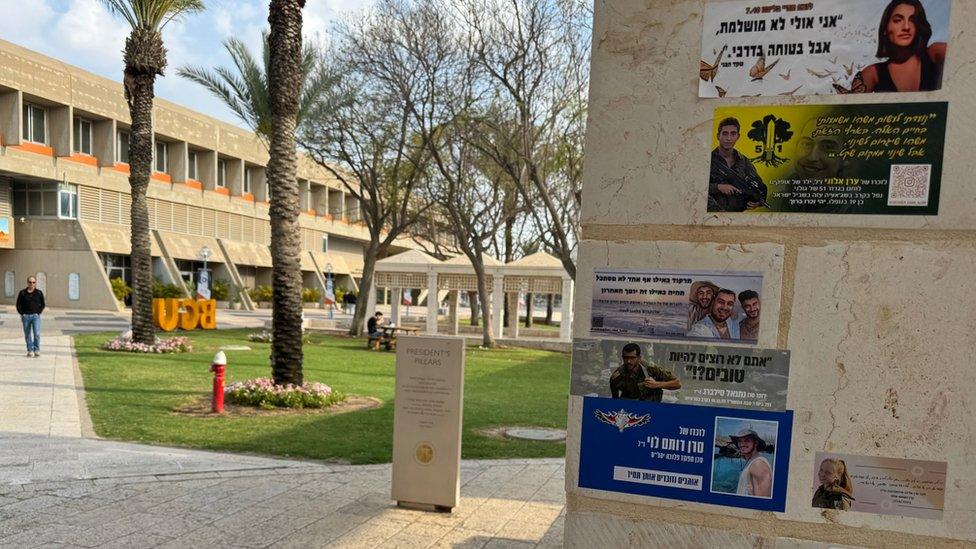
(733, 183)
(636, 379)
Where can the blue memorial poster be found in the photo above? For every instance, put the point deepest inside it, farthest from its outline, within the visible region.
(720, 456)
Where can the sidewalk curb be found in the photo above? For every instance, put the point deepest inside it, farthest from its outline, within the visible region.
(87, 427)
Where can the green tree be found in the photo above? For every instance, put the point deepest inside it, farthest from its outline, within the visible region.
(145, 58)
(244, 88)
(285, 76)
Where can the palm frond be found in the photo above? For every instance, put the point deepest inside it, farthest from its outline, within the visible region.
(152, 14)
(223, 89)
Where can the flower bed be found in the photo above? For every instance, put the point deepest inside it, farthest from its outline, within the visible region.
(125, 344)
(262, 392)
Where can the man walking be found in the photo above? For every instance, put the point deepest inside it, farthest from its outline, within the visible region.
(30, 305)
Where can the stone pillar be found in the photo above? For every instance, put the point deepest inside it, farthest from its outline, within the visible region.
(433, 303)
(566, 311)
(452, 324)
(868, 305)
(395, 305)
(178, 152)
(60, 125)
(497, 306)
(513, 324)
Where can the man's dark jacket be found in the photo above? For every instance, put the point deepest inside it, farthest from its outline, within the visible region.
(30, 303)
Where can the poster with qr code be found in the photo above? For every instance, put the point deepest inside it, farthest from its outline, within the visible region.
(830, 159)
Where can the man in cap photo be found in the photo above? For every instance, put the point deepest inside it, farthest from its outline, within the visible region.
(700, 300)
(756, 478)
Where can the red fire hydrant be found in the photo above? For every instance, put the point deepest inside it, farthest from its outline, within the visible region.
(218, 367)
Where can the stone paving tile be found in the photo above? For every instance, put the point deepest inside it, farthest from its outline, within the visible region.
(406, 541)
(137, 539)
(524, 531)
(502, 543)
(319, 533)
(554, 535)
(43, 534)
(463, 538)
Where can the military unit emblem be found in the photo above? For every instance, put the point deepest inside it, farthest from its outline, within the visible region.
(622, 419)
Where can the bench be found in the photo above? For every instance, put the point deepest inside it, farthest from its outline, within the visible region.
(374, 342)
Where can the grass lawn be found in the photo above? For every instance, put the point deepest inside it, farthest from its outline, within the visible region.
(132, 397)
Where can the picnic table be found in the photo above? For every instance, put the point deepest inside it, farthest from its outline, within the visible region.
(388, 337)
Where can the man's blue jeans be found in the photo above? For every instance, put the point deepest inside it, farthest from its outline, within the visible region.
(32, 332)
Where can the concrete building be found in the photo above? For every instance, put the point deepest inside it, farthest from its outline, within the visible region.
(64, 192)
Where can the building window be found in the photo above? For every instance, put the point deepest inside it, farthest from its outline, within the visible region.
(247, 181)
(68, 199)
(36, 199)
(189, 269)
(117, 266)
(122, 147)
(308, 197)
(161, 157)
(221, 173)
(325, 243)
(191, 165)
(83, 136)
(35, 124)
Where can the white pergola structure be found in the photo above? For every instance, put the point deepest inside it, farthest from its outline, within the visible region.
(539, 273)
(411, 269)
(458, 276)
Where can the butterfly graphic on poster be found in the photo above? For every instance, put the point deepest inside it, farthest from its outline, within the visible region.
(708, 71)
(761, 69)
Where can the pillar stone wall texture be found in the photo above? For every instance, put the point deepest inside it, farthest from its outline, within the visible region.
(876, 309)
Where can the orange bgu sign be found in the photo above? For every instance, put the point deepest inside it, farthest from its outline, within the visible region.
(187, 314)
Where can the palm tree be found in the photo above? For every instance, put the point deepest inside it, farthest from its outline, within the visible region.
(244, 88)
(145, 58)
(285, 75)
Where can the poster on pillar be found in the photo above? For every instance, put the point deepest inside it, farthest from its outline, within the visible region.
(688, 305)
(696, 375)
(833, 159)
(720, 456)
(757, 48)
(879, 485)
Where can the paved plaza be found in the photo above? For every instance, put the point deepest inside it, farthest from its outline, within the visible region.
(62, 487)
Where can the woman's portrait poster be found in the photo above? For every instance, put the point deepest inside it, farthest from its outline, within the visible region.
(752, 48)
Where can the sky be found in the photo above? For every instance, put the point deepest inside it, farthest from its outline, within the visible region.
(83, 33)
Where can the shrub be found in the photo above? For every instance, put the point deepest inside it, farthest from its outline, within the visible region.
(262, 392)
(261, 293)
(339, 294)
(311, 295)
(120, 288)
(124, 343)
(166, 290)
(220, 290)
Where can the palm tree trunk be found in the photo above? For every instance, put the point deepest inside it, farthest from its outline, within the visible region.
(139, 92)
(284, 87)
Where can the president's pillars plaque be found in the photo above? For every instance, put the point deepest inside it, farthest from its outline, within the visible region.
(427, 421)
